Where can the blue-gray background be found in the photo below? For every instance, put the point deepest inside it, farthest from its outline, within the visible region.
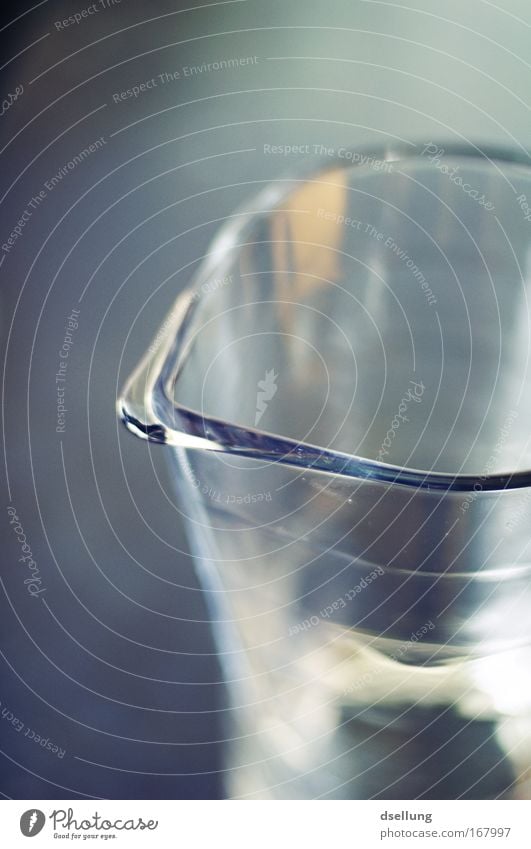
(115, 662)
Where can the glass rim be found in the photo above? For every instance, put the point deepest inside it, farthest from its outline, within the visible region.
(148, 409)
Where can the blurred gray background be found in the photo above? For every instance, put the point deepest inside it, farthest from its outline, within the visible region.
(114, 663)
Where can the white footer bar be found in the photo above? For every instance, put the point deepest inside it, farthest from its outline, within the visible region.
(266, 825)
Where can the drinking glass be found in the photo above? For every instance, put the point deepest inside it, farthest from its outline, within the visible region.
(343, 394)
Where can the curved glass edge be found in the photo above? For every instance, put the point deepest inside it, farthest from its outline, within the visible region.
(146, 406)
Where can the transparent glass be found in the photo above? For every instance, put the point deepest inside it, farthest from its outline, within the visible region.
(344, 393)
